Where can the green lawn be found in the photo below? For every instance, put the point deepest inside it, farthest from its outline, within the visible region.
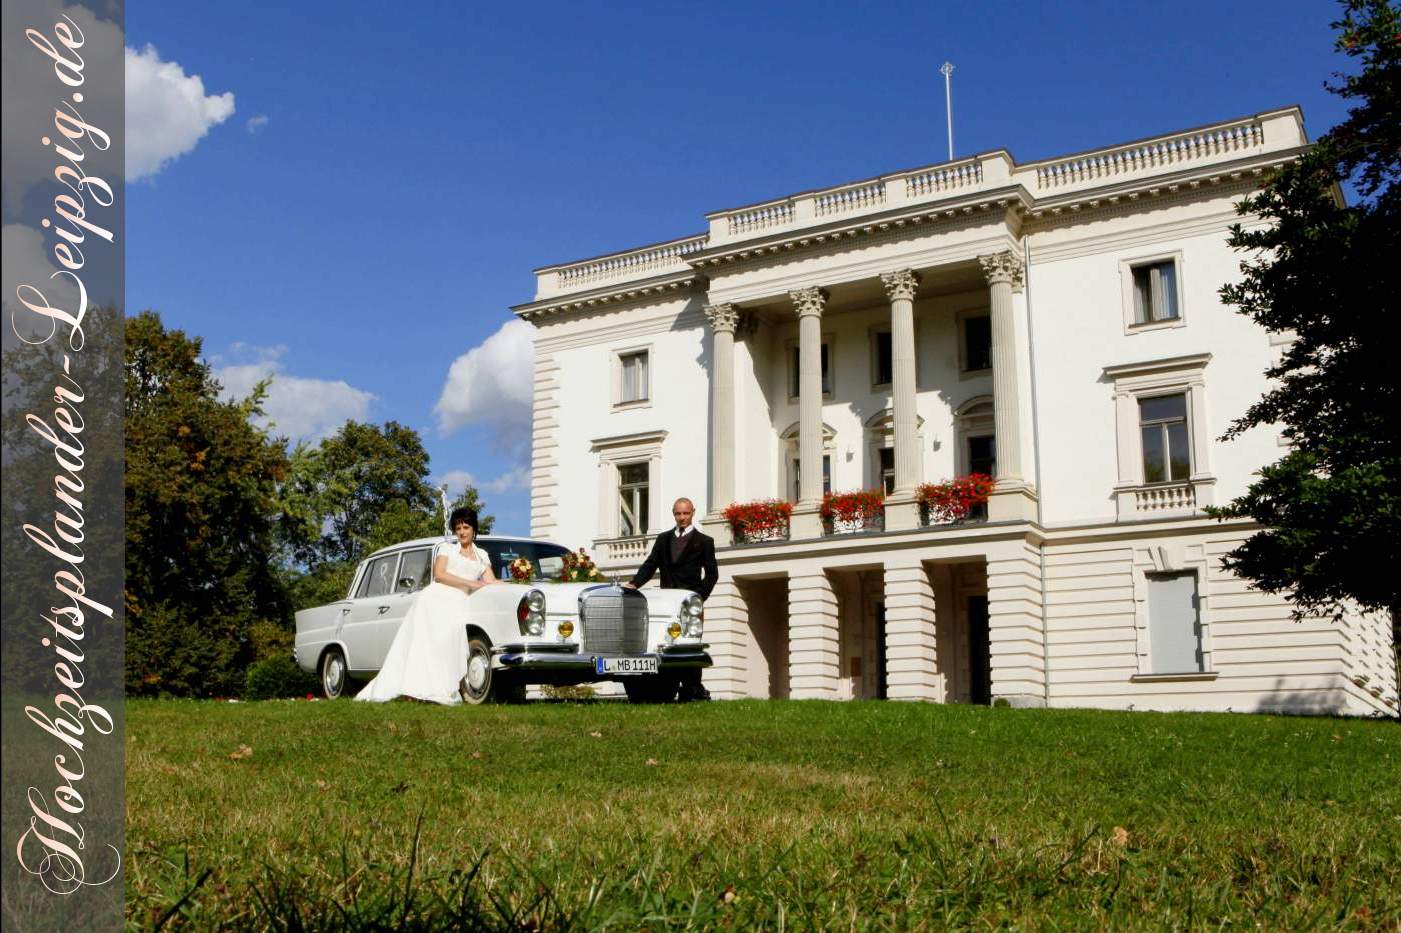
(745, 814)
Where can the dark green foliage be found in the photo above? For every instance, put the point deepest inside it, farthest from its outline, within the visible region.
(278, 678)
(1330, 274)
(202, 515)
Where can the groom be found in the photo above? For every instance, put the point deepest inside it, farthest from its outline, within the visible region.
(686, 558)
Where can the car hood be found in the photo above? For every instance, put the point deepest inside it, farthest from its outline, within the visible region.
(564, 597)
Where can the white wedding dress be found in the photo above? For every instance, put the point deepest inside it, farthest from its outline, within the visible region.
(429, 655)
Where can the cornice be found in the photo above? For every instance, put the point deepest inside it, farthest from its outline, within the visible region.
(622, 292)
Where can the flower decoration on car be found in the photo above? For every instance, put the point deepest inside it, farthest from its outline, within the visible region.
(580, 568)
(522, 570)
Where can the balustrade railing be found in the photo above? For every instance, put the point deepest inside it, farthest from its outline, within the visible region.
(1158, 153)
(1173, 498)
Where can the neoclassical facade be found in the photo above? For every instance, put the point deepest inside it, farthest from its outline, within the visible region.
(1055, 324)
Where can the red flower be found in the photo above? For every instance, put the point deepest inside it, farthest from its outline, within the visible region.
(766, 518)
(851, 507)
(953, 500)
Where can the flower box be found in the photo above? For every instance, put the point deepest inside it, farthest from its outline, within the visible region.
(957, 500)
(848, 512)
(764, 520)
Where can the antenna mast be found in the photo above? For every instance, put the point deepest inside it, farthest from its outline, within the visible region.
(443, 501)
(947, 71)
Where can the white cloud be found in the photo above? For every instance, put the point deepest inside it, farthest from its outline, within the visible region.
(302, 409)
(256, 123)
(167, 112)
(510, 481)
(491, 385)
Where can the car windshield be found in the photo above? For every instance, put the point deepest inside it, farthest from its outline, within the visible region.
(547, 559)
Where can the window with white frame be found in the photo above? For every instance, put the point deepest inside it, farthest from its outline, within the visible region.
(1152, 287)
(885, 458)
(1163, 442)
(791, 461)
(1174, 623)
(796, 471)
(633, 492)
(794, 367)
(1167, 454)
(633, 377)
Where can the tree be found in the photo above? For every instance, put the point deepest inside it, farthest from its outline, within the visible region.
(201, 515)
(339, 489)
(1329, 272)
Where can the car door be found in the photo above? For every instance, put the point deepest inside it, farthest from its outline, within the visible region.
(365, 628)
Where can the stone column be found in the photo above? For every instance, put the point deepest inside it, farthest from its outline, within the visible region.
(814, 656)
(911, 651)
(1016, 624)
(727, 632)
(722, 318)
(900, 509)
(1012, 498)
(809, 303)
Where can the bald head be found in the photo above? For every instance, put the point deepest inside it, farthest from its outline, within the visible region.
(683, 510)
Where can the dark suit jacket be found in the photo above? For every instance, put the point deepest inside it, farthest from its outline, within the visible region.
(694, 570)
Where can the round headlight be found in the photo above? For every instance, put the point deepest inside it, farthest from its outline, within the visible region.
(536, 625)
(566, 628)
(693, 628)
(535, 600)
(692, 606)
(674, 630)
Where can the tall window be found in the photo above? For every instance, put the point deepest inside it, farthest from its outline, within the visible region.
(882, 358)
(1155, 292)
(632, 499)
(887, 469)
(1163, 423)
(634, 387)
(977, 343)
(794, 371)
(1174, 623)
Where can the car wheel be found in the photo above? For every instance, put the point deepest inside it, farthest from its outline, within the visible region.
(334, 675)
(482, 684)
(651, 688)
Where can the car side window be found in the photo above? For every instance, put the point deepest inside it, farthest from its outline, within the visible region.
(379, 576)
(417, 569)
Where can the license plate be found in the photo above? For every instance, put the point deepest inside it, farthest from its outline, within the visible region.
(640, 665)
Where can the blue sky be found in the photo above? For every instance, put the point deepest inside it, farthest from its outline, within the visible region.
(372, 189)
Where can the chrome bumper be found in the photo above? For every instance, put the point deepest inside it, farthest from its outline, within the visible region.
(569, 658)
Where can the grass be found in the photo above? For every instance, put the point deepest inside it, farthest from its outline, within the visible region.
(755, 814)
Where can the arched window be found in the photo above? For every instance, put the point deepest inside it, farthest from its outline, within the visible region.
(880, 450)
(792, 478)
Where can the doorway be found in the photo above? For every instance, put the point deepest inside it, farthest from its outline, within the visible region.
(979, 651)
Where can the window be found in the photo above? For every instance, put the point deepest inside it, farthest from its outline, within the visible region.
(1174, 623)
(547, 558)
(1163, 424)
(1155, 292)
(976, 343)
(634, 379)
(982, 455)
(632, 499)
(415, 572)
(798, 476)
(882, 358)
(794, 370)
(379, 577)
(1152, 292)
(886, 456)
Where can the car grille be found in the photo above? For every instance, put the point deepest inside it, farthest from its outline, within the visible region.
(614, 621)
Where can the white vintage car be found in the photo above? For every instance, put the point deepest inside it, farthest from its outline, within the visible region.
(545, 632)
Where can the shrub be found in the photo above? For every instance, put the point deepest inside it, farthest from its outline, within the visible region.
(277, 678)
(270, 640)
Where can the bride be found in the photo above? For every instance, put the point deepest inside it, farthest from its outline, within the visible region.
(428, 659)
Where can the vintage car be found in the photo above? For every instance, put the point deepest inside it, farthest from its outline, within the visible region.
(543, 632)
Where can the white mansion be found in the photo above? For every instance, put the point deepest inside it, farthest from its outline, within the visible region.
(1054, 323)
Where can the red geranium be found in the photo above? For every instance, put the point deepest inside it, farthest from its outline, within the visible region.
(861, 507)
(757, 521)
(953, 500)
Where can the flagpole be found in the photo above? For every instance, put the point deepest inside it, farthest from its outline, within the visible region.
(947, 72)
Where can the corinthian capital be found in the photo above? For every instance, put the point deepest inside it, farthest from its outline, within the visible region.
(1003, 268)
(722, 317)
(808, 301)
(900, 284)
